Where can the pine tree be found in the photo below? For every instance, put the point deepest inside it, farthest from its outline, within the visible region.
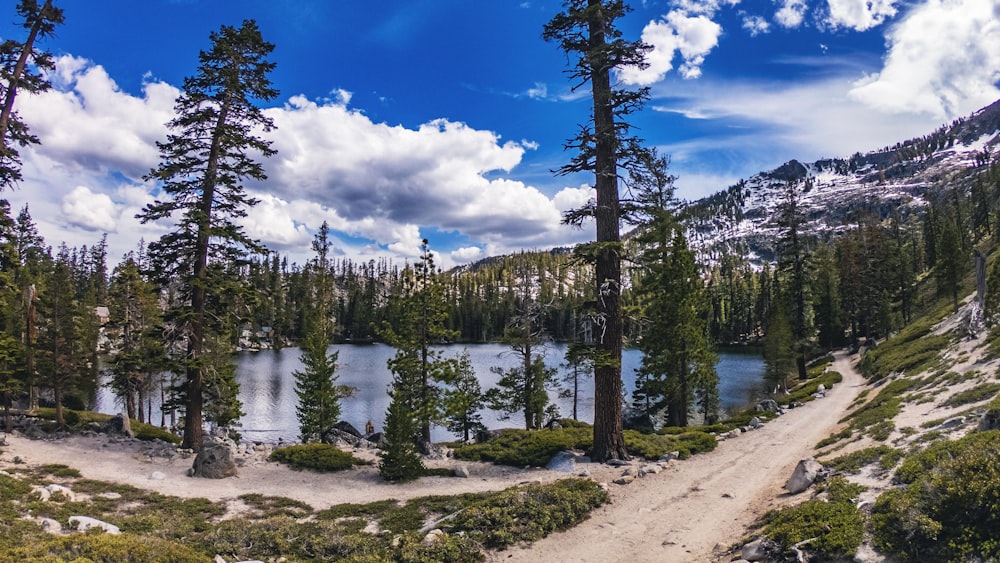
(319, 394)
(463, 400)
(779, 342)
(586, 30)
(418, 367)
(202, 166)
(23, 68)
(793, 261)
(579, 365)
(63, 350)
(399, 459)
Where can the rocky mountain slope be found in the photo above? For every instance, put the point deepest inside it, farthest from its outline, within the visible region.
(834, 191)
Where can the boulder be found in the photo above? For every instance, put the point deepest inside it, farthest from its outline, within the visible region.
(157, 476)
(633, 419)
(670, 456)
(61, 490)
(461, 471)
(759, 550)
(347, 427)
(51, 526)
(84, 523)
(617, 462)
(119, 425)
(755, 423)
(767, 405)
(564, 462)
(805, 474)
(214, 461)
(990, 420)
(338, 437)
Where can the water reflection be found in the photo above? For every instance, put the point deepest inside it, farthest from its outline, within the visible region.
(267, 387)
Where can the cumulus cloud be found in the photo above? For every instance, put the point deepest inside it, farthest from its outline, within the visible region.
(791, 13)
(756, 25)
(467, 254)
(859, 15)
(692, 37)
(91, 211)
(943, 59)
(87, 121)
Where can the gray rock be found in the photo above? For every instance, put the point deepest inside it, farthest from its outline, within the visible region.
(157, 476)
(758, 550)
(84, 523)
(51, 526)
(214, 461)
(990, 420)
(461, 471)
(755, 423)
(433, 537)
(767, 405)
(954, 422)
(59, 489)
(119, 426)
(805, 474)
(650, 469)
(624, 480)
(564, 462)
(670, 456)
(617, 462)
(821, 388)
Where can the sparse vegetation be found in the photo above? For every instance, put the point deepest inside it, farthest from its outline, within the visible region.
(976, 394)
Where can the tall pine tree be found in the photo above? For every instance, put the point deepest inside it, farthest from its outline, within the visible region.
(203, 164)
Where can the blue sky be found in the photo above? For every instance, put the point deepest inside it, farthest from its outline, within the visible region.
(399, 120)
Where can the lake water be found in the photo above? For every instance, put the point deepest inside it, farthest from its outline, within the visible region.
(267, 387)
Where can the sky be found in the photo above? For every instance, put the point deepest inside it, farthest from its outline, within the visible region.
(399, 120)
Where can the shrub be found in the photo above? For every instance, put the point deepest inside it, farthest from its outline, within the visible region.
(529, 513)
(911, 351)
(853, 462)
(107, 548)
(150, 433)
(268, 507)
(322, 458)
(837, 527)
(974, 395)
(528, 447)
(950, 509)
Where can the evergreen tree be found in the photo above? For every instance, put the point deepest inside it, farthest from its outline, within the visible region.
(579, 365)
(826, 294)
(676, 357)
(779, 346)
(418, 367)
(23, 68)
(463, 400)
(952, 260)
(399, 459)
(11, 378)
(794, 255)
(136, 322)
(586, 30)
(202, 166)
(319, 394)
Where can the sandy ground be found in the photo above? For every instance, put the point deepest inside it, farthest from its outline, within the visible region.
(687, 513)
(699, 507)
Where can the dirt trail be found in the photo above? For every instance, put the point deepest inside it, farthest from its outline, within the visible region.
(709, 500)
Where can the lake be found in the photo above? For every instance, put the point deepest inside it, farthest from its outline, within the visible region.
(267, 387)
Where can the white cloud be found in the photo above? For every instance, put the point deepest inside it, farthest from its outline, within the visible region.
(693, 37)
(538, 92)
(756, 25)
(943, 59)
(90, 211)
(467, 254)
(791, 13)
(859, 15)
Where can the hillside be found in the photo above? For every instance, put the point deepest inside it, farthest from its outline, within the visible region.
(834, 191)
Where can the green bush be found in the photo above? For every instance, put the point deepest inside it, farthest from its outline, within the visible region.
(803, 392)
(529, 513)
(269, 507)
(912, 351)
(974, 395)
(105, 548)
(950, 508)
(853, 462)
(837, 526)
(652, 446)
(322, 458)
(150, 433)
(533, 448)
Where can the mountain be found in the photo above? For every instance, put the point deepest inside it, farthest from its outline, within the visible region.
(835, 191)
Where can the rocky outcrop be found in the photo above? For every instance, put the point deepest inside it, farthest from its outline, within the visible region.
(214, 461)
(84, 523)
(119, 425)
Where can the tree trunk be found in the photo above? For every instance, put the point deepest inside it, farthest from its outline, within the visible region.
(15, 78)
(609, 442)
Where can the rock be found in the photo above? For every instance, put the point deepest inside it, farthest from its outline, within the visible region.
(433, 537)
(805, 474)
(767, 405)
(119, 426)
(345, 426)
(461, 471)
(954, 422)
(43, 493)
(157, 476)
(755, 423)
(214, 461)
(218, 559)
(84, 523)
(375, 438)
(564, 462)
(553, 424)
(59, 489)
(51, 526)
(821, 388)
(617, 462)
(990, 420)
(624, 480)
(650, 469)
(670, 456)
(758, 550)
(633, 419)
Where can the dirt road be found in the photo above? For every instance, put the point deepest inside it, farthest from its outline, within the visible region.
(682, 514)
